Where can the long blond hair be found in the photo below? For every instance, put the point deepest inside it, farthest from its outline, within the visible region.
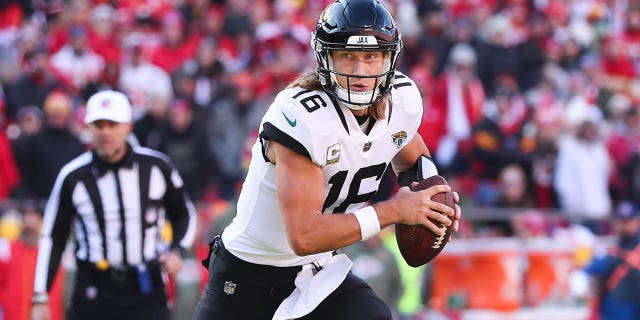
(310, 81)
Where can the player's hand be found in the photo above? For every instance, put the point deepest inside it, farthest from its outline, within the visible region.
(40, 312)
(171, 261)
(415, 207)
(458, 212)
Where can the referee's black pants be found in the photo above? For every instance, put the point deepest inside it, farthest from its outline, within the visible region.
(114, 294)
(254, 292)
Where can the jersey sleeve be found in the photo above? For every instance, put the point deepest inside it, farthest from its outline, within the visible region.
(180, 209)
(407, 100)
(288, 121)
(56, 226)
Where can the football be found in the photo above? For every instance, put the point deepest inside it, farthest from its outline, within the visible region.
(419, 245)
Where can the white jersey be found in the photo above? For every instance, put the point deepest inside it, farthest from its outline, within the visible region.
(327, 133)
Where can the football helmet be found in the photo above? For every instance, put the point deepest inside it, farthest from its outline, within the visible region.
(358, 25)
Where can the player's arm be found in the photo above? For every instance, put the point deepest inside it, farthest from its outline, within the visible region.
(406, 164)
(405, 160)
(300, 191)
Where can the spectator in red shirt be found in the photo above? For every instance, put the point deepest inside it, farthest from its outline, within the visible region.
(177, 47)
(103, 33)
(9, 176)
(623, 143)
(17, 262)
(11, 14)
(458, 99)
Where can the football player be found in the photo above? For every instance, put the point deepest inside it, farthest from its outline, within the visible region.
(323, 147)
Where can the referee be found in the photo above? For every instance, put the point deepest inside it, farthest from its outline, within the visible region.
(117, 197)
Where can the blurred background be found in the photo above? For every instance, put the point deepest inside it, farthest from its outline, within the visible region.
(531, 111)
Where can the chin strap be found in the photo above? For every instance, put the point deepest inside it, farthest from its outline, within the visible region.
(358, 97)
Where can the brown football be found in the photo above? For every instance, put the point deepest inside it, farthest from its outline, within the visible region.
(418, 244)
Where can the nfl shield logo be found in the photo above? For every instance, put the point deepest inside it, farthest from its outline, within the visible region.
(229, 287)
(91, 292)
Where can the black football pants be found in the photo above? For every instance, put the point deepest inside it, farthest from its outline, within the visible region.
(254, 292)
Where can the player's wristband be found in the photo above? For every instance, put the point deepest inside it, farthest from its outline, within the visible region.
(368, 220)
(40, 298)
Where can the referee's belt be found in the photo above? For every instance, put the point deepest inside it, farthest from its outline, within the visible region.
(122, 273)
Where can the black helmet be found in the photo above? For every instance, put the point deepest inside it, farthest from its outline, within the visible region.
(359, 25)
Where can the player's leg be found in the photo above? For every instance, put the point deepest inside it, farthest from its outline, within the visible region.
(353, 300)
(237, 289)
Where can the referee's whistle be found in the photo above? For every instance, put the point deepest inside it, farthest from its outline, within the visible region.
(102, 264)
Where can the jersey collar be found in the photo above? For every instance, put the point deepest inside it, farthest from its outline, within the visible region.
(103, 167)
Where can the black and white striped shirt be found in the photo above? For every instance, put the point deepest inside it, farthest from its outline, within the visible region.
(117, 211)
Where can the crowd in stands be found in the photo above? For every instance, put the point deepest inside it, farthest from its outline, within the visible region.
(547, 86)
(527, 103)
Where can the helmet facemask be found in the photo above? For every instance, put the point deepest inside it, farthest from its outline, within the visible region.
(354, 99)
